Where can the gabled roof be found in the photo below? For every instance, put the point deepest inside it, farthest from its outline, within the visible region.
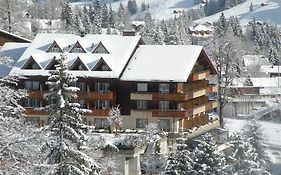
(169, 63)
(14, 38)
(77, 44)
(30, 63)
(99, 65)
(55, 44)
(120, 49)
(76, 65)
(101, 45)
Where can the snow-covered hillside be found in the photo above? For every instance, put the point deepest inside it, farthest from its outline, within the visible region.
(269, 12)
(163, 9)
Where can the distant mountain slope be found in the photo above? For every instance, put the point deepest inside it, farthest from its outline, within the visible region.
(269, 12)
(163, 9)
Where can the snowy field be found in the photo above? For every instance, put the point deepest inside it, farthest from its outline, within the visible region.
(272, 132)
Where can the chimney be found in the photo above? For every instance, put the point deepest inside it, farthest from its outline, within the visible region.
(129, 33)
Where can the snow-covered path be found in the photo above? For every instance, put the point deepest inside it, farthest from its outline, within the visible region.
(272, 132)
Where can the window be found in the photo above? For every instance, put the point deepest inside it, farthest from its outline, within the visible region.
(82, 103)
(164, 105)
(164, 124)
(78, 50)
(101, 123)
(141, 123)
(82, 86)
(164, 88)
(29, 103)
(102, 87)
(54, 48)
(100, 49)
(104, 67)
(32, 85)
(31, 64)
(142, 87)
(101, 104)
(142, 104)
(33, 120)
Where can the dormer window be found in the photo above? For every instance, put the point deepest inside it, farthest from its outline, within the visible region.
(31, 64)
(77, 48)
(101, 66)
(52, 64)
(100, 49)
(78, 65)
(54, 48)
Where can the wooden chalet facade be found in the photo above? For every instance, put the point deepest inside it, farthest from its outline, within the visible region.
(108, 75)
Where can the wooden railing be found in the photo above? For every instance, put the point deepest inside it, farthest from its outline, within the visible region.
(199, 75)
(95, 95)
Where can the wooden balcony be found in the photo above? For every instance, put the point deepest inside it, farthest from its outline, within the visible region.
(199, 75)
(36, 94)
(169, 113)
(173, 96)
(33, 111)
(202, 108)
(98, 112)
(95, 95)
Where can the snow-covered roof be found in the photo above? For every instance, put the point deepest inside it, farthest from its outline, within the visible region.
(13, 51)
(17, 37)
(200, 27)
(120, 49)
(255, 60)
(258, 82)
(271, 69)
(162, 63)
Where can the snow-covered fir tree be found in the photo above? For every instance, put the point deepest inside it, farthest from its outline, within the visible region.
(67, 17)
(105, 16)
(132, 7)
(65, 148)
(253, 133)
(86, 20)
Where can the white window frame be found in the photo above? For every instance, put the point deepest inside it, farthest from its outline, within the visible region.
(141, 123)
(164, 105)
(78, 50)
(101, 123)
(164, 124)
(142, 87)
(164, 88)
(102, 104)
(55, 49)
(32, 85)
(101, 87)
(31, 103)
(82, 86)
(142, 104)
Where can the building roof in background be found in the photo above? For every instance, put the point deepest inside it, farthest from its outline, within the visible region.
(13, 51)
(14, 37)
(255, 60)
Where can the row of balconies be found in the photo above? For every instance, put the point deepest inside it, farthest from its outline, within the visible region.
(173, 96)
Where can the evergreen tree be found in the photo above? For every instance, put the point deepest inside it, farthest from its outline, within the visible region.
(243, 156)
(66, 130)
(221, 26)
(79, 27)
(132, 7)
(272, 55)
(67, 16)
(105, 16)
(208, 160)
(253, 133)
(251, 8)
(123, 19)
(111, 17)
(86, 20)
(97, 28)
(158, 38)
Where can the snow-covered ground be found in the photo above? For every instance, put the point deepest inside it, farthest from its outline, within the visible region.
(268, 13)
(272, 132)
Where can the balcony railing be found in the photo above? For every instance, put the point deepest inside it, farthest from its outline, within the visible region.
(200, 75)
(98, 112)
(33, 111)
(173, 96)
(202, 108)
(95, 95)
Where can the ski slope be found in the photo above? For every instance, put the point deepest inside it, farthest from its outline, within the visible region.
(268, 13)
